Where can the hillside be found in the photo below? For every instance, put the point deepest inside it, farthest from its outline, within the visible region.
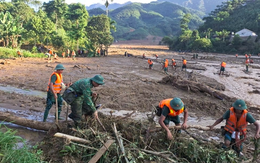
(202, 5)
(137, 21)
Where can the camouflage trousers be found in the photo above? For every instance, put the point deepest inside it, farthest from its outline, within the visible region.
(49, 102)
(79, 108)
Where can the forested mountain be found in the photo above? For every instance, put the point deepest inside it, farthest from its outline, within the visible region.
(112, 6)
(137, 21)
(202, 5)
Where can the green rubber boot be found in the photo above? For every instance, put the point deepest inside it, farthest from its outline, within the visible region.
(45, 116)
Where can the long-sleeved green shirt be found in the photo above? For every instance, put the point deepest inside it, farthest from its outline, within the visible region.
(83, 87)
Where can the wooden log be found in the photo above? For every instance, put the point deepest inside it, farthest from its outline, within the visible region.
(8, 117)
(101, 151)
(72, 138)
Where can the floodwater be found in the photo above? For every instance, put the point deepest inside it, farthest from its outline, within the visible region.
(23, 91)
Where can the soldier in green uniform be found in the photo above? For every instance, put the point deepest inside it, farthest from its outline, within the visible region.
(83, 104)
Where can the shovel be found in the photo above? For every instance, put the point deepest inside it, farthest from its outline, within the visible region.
(56, 111)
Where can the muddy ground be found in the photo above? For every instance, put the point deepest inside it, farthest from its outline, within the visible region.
(131, 86)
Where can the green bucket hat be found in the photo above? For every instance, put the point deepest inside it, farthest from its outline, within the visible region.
(239, 104)
(98, 79)
(59, 67)
(176, 103)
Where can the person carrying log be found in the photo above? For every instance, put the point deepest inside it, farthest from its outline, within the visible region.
(184, 64)
(150, 62)
(165, 66)
(174, 64)
(54, 89)
(222, 67)
(169, 110)
(81, 102)
(237, 118)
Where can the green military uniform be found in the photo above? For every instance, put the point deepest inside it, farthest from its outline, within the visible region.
(83, 103)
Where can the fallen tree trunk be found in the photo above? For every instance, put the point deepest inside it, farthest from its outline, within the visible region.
(8, 117)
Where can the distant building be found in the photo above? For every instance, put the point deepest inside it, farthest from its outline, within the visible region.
(246, 34)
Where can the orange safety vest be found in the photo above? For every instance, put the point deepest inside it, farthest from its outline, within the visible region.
(19, 53)
(247, 61)
(166, 63)
(63, 53)
(156, 56)
(236, 55)
(184, 62)
(57, 85)
(223, 64)
(173, 112)
(232, 124)
(72, 53)
(150, 62)
(50, 51)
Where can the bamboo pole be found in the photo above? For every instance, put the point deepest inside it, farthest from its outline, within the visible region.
(72, 138)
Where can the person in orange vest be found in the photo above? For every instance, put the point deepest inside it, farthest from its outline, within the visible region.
(247, 64)
(246, 56)
(184, 64)
(174, 64)
(169, 110)
(50, 52)
(222, 67)
(54, 89)
(236, 55)
(150, 62)
(73, 54)
(19, 54)
(63, 54)
(165, 65)
(237, 118)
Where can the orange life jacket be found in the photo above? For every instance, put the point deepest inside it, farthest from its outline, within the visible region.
(57, 85)
(150, 62)
(184, 62)
(63, 54)
(223, 64)
(236, 55)
(173, 112)
(173, 62)
(50, 52)
(247, 61)
(19, 53)
(232, 124)
(166, 63)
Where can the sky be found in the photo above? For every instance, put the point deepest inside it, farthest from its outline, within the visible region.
(90, 2)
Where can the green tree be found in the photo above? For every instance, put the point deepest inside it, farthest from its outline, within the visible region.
(56, 10)
(222, 34)
(107, 4)
(98, 30)
(78, 17)
(203, 44)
